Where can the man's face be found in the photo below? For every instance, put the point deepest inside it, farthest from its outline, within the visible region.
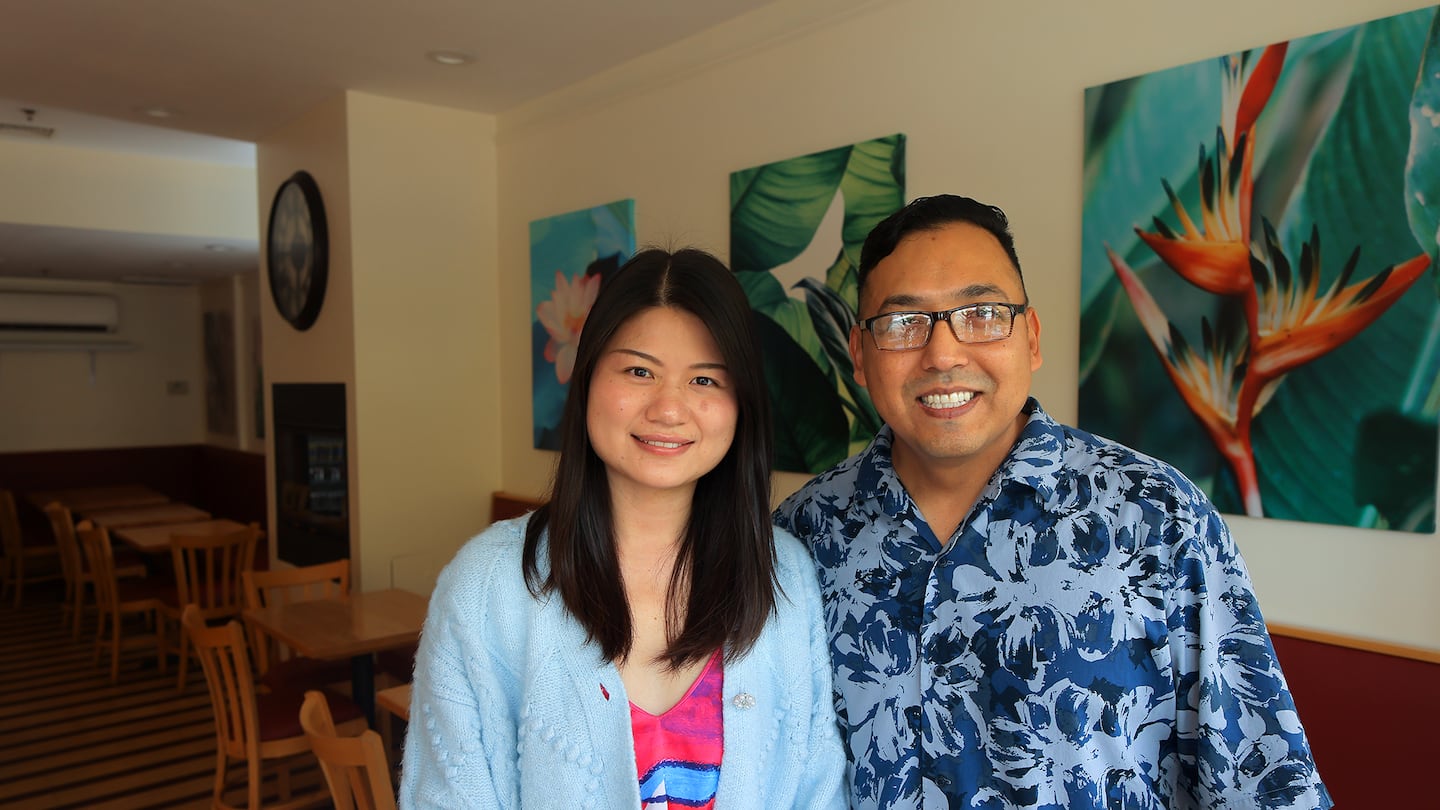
(950, 404)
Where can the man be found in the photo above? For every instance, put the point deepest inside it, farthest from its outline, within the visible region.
(1023, 614)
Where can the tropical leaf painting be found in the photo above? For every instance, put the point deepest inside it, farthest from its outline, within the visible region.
(1258, 230)
(796, 227)
(570, 254)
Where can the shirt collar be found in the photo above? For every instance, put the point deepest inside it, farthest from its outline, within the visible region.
(1034, 462)
(1038, 457)
(875, 478)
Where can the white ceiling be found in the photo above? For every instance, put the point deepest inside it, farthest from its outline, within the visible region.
(231, 71)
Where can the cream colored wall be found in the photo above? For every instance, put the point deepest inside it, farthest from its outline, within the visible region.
(82, 188)
(47, 400)
(409, 321)
(991, 97)
(422, 186)
(316, 142)
(70, 400)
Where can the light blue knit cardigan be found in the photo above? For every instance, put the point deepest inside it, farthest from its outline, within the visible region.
(508, 710)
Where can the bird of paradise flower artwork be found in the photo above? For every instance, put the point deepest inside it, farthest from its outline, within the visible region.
(1256, 316)
(569, 256)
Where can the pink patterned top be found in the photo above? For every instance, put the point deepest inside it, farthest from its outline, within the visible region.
(677, 754)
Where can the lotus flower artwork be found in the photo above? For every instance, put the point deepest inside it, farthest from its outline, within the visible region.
(1309, 147)
(563, 316)
(570, 255)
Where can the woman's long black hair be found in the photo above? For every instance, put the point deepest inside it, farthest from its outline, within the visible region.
(725, 566)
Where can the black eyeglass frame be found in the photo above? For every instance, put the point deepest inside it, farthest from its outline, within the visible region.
(1016, 310)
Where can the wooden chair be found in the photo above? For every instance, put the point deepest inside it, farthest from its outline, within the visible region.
(251, 725)
(208, 571)
(18, 552)
(115, 599)
(355, 768)
(276, 665)
(78, 575)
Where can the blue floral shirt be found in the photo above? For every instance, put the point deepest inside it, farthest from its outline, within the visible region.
(1089, 638)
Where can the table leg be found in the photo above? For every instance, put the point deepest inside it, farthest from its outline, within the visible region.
(362, 685)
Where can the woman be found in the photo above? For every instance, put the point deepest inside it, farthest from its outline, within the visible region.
(644, 637)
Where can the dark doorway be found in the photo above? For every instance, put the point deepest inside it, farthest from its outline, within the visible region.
(311, 484)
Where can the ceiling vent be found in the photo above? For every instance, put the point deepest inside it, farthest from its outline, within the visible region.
(58, 312)
(26, 130)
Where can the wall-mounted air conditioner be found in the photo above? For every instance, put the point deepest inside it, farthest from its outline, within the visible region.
(58, 313)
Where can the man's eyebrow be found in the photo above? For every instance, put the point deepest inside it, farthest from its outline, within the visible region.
(970, 292)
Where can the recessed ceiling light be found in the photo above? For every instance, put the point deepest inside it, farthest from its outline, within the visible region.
(451, 58)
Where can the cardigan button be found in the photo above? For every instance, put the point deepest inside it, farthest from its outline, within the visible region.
(744, 700)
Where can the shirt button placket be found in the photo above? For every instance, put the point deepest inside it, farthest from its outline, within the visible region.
(931, 670)
(940, 681)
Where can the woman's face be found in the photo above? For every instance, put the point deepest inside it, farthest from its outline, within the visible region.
(661, 411)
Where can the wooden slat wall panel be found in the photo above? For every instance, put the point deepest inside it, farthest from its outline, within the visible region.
(225, 482)
(71, 739)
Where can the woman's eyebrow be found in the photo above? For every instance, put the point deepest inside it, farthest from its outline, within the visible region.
(652, 359)
(649, 358)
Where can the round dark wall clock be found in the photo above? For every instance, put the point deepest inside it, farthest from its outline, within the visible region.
(297, 250)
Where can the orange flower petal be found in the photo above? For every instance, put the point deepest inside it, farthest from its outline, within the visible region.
(1158, 328)
(1280, 350)
(1222, 268)
(1260, 85)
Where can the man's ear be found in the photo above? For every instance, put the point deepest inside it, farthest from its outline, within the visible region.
(857, 354)
(1034, 322)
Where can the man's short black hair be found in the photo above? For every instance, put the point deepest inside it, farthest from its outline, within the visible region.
(928, 214)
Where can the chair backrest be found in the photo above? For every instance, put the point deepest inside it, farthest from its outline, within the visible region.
(208, 568)
(62, 523)
(355, 768)
(95, 541)
(282, 586)
(11, 540)
(226, 662)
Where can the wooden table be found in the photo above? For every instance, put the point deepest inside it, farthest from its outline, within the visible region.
(112, 497)
(396, 703)
(355, 627)
(155, 538)
(167, 513)
(395, 700)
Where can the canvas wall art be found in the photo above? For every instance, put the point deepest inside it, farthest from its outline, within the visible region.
(257, 377)
(220, 397)
(1260, 305)
(569, 256)
(796, 227)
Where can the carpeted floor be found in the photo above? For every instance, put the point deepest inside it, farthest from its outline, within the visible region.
(71, 739)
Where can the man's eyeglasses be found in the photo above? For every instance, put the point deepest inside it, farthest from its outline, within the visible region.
(972, 323)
